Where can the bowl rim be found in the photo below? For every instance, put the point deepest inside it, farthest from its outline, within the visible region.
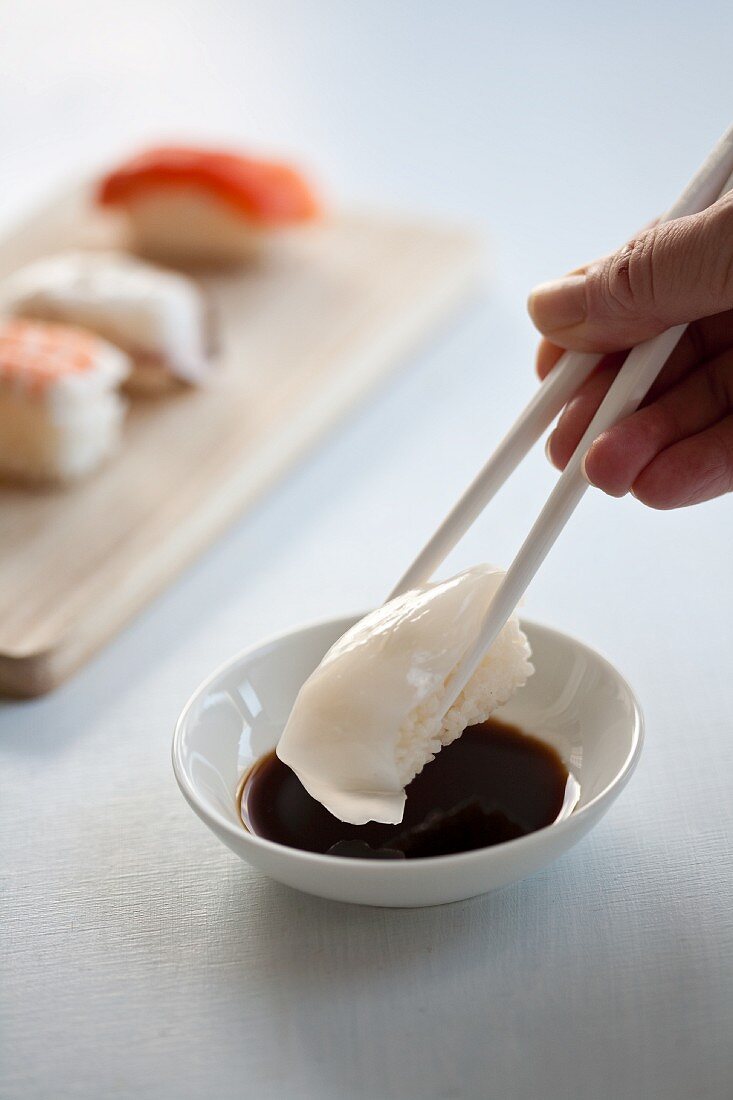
(416, 866)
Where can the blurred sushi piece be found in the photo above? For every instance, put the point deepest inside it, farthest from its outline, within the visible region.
(157, 317)
(204, 206)
(60, 410)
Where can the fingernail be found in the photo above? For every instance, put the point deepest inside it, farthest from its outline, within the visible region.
(585, 472)
(548, 446)
(558, 304)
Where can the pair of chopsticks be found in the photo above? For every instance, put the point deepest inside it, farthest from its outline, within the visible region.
(632, 383)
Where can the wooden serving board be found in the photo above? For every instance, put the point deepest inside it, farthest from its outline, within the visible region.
(303, 335)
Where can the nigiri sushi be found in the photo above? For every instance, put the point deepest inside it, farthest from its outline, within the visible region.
(157, 317)
(60, 412)
(374, 712)
(203, 206)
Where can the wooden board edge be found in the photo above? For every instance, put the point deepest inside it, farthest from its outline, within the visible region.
(28, 676)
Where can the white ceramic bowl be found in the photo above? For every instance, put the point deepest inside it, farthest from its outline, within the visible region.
(576, 701)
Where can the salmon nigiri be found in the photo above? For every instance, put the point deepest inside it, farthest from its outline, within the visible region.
(189, 205)
(60, 412)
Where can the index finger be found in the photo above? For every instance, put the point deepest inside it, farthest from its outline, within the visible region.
(547, 356)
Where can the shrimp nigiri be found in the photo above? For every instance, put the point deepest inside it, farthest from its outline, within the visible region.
(60, 412)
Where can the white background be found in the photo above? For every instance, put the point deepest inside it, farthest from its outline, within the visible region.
(141, 959)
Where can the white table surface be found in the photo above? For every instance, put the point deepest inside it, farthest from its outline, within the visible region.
(139, 957)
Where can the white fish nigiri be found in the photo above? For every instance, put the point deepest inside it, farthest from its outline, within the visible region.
(373, 713)
(156, 317)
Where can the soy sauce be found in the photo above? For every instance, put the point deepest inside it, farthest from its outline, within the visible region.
(493, 784)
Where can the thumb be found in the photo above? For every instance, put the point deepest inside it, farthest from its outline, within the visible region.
(670, 274)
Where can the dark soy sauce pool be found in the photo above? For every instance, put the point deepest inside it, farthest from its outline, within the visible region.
(493, 784)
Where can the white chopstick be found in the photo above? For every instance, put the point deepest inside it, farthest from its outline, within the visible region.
(554, 393)
(551, 397)
(628, 390)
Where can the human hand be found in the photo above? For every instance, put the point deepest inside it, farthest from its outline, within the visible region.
(677, 449)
